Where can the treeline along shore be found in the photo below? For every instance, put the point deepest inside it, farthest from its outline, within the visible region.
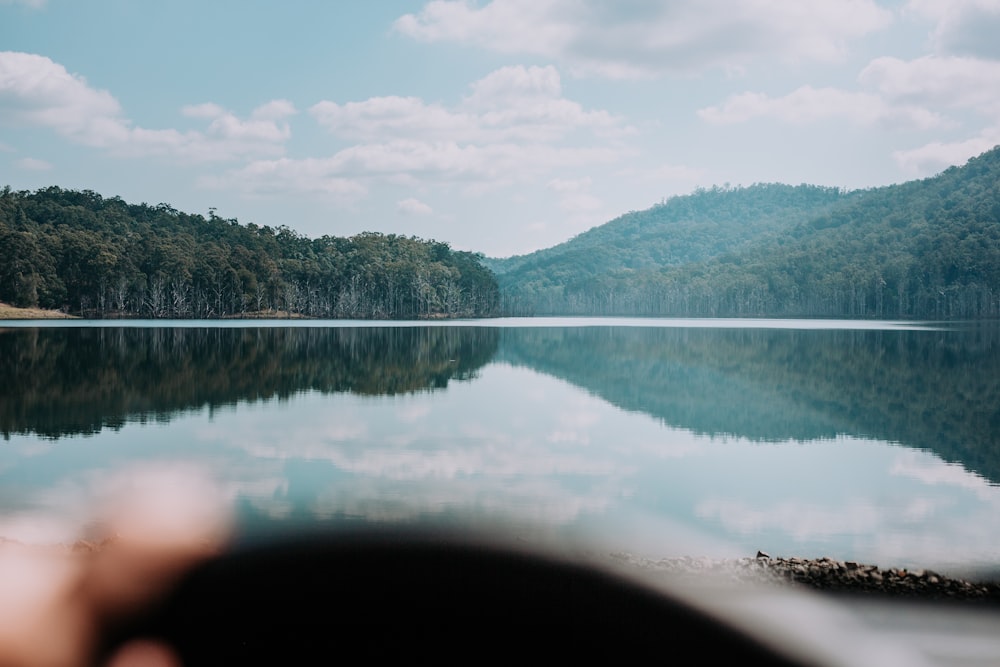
(926, 249)
(101, 257)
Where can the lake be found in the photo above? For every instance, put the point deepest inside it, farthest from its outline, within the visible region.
(870, 441)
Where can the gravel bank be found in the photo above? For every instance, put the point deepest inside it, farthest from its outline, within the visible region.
(825, 574)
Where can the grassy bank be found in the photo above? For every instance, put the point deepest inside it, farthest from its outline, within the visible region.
(8, 312)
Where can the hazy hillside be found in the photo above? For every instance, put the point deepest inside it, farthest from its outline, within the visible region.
(928, 248)
(681, 231)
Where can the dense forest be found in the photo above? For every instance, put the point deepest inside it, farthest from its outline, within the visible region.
(924, 249)
(927, 249)
(680, 232)
(102, 257)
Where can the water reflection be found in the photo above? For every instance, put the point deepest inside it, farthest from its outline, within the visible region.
(933, 390)
(863, 444)
(69, 381)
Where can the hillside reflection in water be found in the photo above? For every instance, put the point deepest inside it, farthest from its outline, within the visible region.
(875, 445)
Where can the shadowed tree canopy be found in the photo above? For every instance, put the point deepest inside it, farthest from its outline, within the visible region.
(103, 257)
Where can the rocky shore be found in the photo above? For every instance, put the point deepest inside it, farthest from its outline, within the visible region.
(825, 574)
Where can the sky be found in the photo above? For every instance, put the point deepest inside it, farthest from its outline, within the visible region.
(500, 126)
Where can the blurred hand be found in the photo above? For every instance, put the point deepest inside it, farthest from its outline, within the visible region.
(56, 602)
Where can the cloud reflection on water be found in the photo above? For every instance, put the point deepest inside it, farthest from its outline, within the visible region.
(495, 456)
(517, 442)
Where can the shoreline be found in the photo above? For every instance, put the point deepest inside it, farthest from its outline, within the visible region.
(825, 575)
(9, 312)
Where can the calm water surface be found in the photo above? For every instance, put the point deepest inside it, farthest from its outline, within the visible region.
(877, 442)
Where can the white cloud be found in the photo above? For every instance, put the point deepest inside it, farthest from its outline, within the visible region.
(518, 26)
(310, 175)
(34, 90)
(809, 105)
(33, 164)
(413, 206)
(254, 130)
(564, 185)
(906, 94)
(574, 195)
(411, 162)
(513, 127)
(274, 110)
(949, 82)
(384, 117)
(963, 27)
(936, 155)
(502, 86)
(633, 39)
(263, 126)
(924, 93)
(512, 103)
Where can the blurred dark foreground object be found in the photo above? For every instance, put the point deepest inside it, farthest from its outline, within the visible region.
(400, 595)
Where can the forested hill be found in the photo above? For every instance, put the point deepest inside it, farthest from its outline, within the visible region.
(103, 257)
(922, 249)
(683, 230)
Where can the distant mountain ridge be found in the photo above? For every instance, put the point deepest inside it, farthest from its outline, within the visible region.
(717, 219)
(924, 249)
